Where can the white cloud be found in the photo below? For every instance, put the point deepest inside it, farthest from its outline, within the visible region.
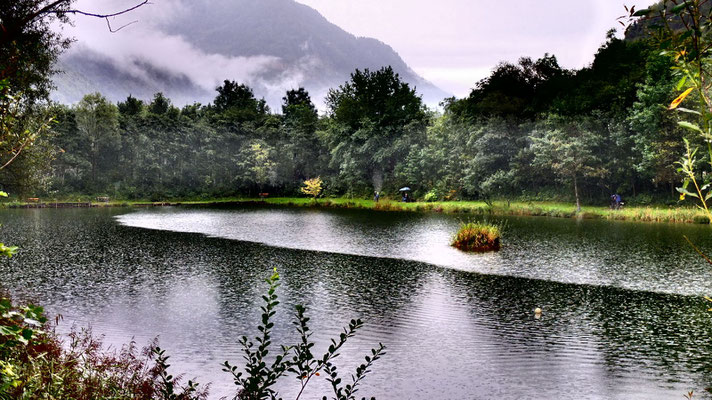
(171, 53)
(447, 40)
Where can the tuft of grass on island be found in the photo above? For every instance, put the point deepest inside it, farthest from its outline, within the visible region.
(477, 237)
(652, 213)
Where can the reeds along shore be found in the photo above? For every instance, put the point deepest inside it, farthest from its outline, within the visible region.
(547, 209)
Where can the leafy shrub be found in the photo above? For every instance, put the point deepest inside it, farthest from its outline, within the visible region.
(312, 187)
(431, 196)
(259, 376)
(642, 199)
(35, 363)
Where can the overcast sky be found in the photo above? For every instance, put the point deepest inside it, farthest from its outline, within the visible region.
(452, 43)
(455, 43)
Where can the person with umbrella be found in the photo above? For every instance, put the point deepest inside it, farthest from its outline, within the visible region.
(404, 191)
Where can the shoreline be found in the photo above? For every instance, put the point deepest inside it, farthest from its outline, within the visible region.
(499, 208)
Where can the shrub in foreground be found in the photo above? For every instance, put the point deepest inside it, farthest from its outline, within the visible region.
(36, 364)
(260, 374)
(477, 236)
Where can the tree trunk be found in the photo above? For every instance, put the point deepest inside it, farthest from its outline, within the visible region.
(576, 192)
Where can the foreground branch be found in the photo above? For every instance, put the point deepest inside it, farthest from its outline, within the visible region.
(88, 14)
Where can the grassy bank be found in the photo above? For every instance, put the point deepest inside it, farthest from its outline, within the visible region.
(549, 209)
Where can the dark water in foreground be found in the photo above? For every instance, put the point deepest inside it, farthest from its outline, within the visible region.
(623, 317)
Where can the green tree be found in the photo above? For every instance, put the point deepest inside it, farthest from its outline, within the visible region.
(519, 91)
(375, 118)
(160, 105)
(570, 148)
(300, 120)
(97, 123)
(30, 47)
(256, 168)
(236, 104)
(683, 30)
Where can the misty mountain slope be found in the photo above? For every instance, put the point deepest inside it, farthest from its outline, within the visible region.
(301, 47)
(85, 71)
(281, 28)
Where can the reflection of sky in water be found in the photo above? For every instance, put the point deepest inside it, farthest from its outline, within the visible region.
(650, 257)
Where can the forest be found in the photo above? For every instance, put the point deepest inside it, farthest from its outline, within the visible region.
(531, 130)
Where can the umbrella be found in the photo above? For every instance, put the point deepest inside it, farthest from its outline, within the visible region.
(404, 189)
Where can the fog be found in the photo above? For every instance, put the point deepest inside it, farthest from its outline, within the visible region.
(452, 43)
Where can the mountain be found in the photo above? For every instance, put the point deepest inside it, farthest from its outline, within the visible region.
(272, 45)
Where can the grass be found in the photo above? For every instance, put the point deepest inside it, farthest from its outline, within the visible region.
(677, 214)
(477, 236)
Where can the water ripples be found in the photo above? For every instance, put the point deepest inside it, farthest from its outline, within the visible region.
(632, 333)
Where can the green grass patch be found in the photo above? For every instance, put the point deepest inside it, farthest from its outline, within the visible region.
(651, 213)
(478, 237)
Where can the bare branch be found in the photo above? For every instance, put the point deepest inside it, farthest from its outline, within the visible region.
(80, 12)
(108, 24)
(16, 153)
(7, 33)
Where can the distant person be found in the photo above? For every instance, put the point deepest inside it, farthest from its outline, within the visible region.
(405, 197)
(376, 196)
(616, 201)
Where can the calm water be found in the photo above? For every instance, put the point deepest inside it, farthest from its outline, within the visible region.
(623, 317)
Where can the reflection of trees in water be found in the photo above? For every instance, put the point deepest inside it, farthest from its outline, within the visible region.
(83, 261)
(660, 336)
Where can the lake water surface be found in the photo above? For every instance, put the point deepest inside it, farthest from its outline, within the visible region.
(623, 316)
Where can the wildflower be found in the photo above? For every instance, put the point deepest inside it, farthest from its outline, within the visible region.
(682, 196)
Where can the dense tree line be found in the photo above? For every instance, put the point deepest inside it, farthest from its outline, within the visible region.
(530, 129)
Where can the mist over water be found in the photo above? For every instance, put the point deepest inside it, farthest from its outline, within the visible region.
(461, 330)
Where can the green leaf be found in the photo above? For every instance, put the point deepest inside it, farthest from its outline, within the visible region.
(27, 334)
(682, 82)
(689, 125)
(8, 251)
(678, 8)
(687, 110)
(641, 13)
(687, 192)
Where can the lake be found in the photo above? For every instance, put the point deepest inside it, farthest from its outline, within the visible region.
(623, 313)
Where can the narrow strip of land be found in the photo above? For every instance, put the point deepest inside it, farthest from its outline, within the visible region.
(653, 213)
